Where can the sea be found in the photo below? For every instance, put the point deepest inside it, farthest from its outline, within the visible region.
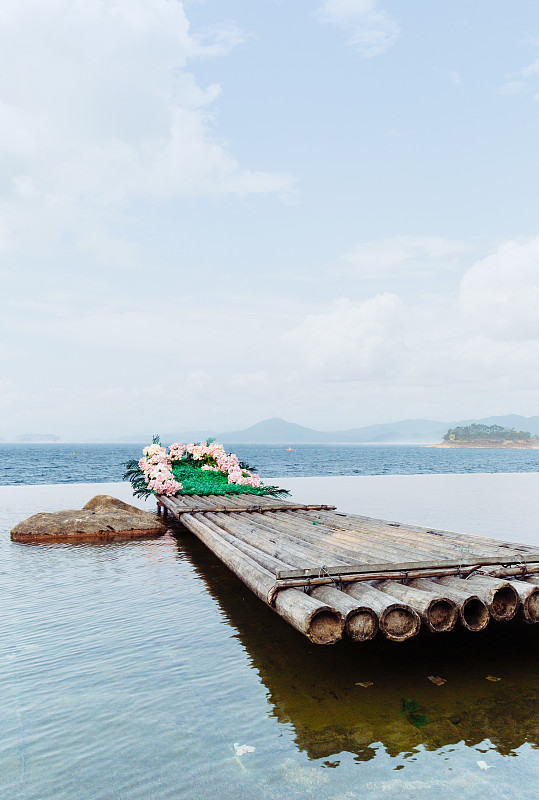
(145, 670)
(94, 463)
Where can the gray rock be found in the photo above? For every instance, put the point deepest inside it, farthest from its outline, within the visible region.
(103, 518)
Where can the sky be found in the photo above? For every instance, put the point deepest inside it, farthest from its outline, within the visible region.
(217, 211)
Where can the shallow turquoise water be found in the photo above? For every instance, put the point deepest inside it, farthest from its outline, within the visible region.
(130, 671)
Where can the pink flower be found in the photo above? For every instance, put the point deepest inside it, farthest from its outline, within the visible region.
(175, 452)
(154, 450)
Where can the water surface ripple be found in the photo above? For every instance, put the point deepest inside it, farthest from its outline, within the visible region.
(95, 463)
(130, 671)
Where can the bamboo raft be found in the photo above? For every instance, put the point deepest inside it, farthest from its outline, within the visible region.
(330, 574)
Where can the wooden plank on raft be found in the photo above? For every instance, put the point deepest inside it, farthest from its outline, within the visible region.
(354, 569)
(222, 508)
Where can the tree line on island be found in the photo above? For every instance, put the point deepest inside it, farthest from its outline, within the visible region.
(495, 433)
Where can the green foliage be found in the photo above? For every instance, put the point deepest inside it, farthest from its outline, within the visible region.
(196, 481)
(487, 432)
(204, 482)
(135, 476)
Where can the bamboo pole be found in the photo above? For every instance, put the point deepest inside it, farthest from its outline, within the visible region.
(432, 542)
(438, 612)
(529, 599)
(361, 623)
(397, 621)
(269, 562)
(318, 621)
(501, 598)
(268, 503)
(473, 612)
(310, 534)
(266, 539)
(373, 523)
(279, 542)
(533, 579)
(275, 526)
(355, 544)
(269, 540)
(190, 504)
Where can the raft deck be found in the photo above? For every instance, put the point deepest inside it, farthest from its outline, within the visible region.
(330, 574)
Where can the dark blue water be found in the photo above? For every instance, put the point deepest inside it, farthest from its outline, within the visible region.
(97, 463)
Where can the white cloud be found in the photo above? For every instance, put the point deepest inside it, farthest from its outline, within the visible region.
(513, 87)
(371, 30)
(488, 334)
(98, 109)
(404, 255)
(343, 363)
(350, 337)
(499, 294)
(521, 82)
(532, 70)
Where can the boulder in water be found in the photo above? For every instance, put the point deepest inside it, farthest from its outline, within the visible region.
(103, 518)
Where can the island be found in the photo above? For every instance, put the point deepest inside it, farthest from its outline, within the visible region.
(477, 435)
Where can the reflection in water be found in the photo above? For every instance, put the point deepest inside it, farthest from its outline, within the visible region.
(316, 689)
(130, 670)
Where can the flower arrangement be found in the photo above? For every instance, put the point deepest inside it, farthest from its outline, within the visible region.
(193, 469)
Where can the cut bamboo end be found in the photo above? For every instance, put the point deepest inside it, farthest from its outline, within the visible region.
(361, 623)
(474, 614)
(321, 623)
(326, 627)
(472, 611)
(504, 604)
(397, 621)
(529, 599)
(500, 597)
(442, 615)
(530, 607)
(439, 613)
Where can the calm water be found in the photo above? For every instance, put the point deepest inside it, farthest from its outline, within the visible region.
(129, 672)
(92, 463)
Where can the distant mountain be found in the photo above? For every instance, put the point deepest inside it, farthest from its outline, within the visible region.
(279, 431)
(35, 438)
(276, 431)
(408, 430)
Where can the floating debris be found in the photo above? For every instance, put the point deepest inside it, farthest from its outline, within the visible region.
(484, 765)
(365, 684)
(436, 680)
(241, 749)
(492, 678)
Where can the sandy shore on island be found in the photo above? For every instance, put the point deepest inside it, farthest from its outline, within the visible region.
(478, 444)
